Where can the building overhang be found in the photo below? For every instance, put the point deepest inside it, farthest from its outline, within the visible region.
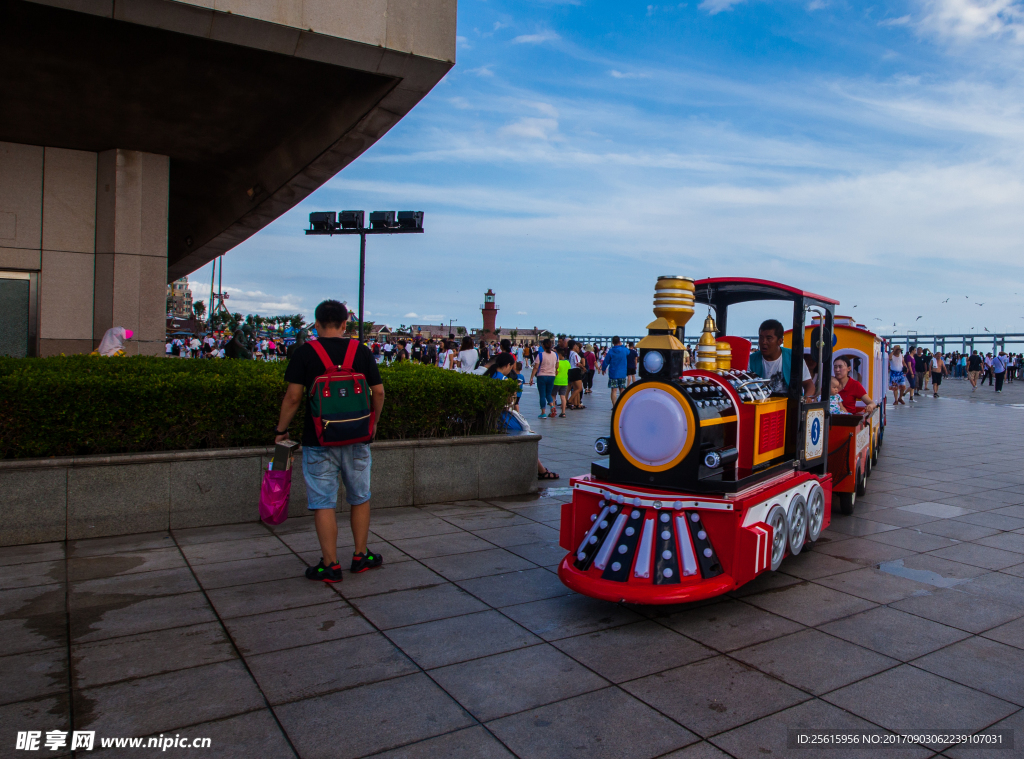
(254, 113)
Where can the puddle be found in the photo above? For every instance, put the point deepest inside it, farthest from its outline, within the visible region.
(554, 492)
(920, 575)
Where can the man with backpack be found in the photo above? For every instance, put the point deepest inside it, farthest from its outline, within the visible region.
(335, 375)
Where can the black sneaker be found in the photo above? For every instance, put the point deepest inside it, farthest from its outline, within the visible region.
(324, 573)
(363, 561)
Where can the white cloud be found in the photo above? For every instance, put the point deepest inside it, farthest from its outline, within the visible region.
(626, 75)
(817, 5)
(714, 7)
(520, 313)
(412, 315)
(487, 70)
(546, 108)
(463, 43)
(259, 302)
(531, 129)
(536, 39)
(974, 19)
(901, 21)
(499, 25)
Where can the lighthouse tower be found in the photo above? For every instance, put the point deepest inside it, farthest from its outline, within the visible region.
(490, 313)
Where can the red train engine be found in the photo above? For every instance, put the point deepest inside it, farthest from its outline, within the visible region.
(711, 477)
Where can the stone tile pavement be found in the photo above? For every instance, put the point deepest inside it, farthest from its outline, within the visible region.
(908, 615)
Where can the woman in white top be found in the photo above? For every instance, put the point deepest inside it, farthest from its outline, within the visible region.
(468, 356)
(897, 379)
(446, 357)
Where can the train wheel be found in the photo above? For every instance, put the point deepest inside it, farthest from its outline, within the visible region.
(780, 528)
(867, 465)
(815, 512)
(874, 451)
(862, 481)
(846, 502)
(797, 524)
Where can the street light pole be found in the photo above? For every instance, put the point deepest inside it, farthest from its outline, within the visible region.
(362, 280)
(325, 223)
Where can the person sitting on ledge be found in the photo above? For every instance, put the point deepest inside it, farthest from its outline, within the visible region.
(774, 362)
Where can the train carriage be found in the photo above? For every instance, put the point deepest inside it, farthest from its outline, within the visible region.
(710, 477)
(854, 439)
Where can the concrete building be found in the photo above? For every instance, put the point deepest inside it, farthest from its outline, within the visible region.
(179, 299)
(140, 139)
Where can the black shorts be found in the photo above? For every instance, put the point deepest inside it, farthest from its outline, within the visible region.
(936, 378)
(575, 375)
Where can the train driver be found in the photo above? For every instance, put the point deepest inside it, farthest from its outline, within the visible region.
(775, 362)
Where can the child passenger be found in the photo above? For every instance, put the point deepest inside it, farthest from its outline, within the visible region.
(835, 401)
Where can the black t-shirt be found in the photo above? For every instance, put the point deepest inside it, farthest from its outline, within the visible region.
(305, 366)
(417, 351)
(631, 358)
(974, 364)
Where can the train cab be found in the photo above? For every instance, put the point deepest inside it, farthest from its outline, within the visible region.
(714, 474)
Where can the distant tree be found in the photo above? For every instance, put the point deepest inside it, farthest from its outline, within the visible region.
(199, 308)
(460, 331)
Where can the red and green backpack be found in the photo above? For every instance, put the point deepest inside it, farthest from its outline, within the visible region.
(339, 401)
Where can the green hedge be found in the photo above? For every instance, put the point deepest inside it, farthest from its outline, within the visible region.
(75, 405)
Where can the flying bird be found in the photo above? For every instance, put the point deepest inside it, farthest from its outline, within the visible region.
(917, 319)
(946, 300)
(986, 329)
(979, 304)
(878, 320)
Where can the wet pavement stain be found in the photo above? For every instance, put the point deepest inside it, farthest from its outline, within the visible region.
(44, 615)
(96, 567)
(920, 575)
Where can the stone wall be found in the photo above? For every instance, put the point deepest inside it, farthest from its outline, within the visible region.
(98, 496)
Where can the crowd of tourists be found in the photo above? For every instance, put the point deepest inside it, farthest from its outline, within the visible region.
(240, 345)
(919, 370)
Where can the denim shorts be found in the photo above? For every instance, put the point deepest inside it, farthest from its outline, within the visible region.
(619, 383)
(323, 466)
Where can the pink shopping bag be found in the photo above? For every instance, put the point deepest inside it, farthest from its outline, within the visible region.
(277, 485)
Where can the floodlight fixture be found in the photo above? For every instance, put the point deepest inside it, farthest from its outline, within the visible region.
(323, 221)
(352, 219)
(382, 219)
(353, 223)
(410, 219)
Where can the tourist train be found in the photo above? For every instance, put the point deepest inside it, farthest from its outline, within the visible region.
(711, 478)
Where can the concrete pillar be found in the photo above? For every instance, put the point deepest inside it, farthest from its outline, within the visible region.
(131, 247)
(68, 246)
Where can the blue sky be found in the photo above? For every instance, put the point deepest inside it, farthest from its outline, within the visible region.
(580, 149)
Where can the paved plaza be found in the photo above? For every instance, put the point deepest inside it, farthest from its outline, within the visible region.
(907, 616)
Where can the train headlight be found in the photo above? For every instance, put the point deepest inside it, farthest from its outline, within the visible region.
(654, 427)
(654, 362)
